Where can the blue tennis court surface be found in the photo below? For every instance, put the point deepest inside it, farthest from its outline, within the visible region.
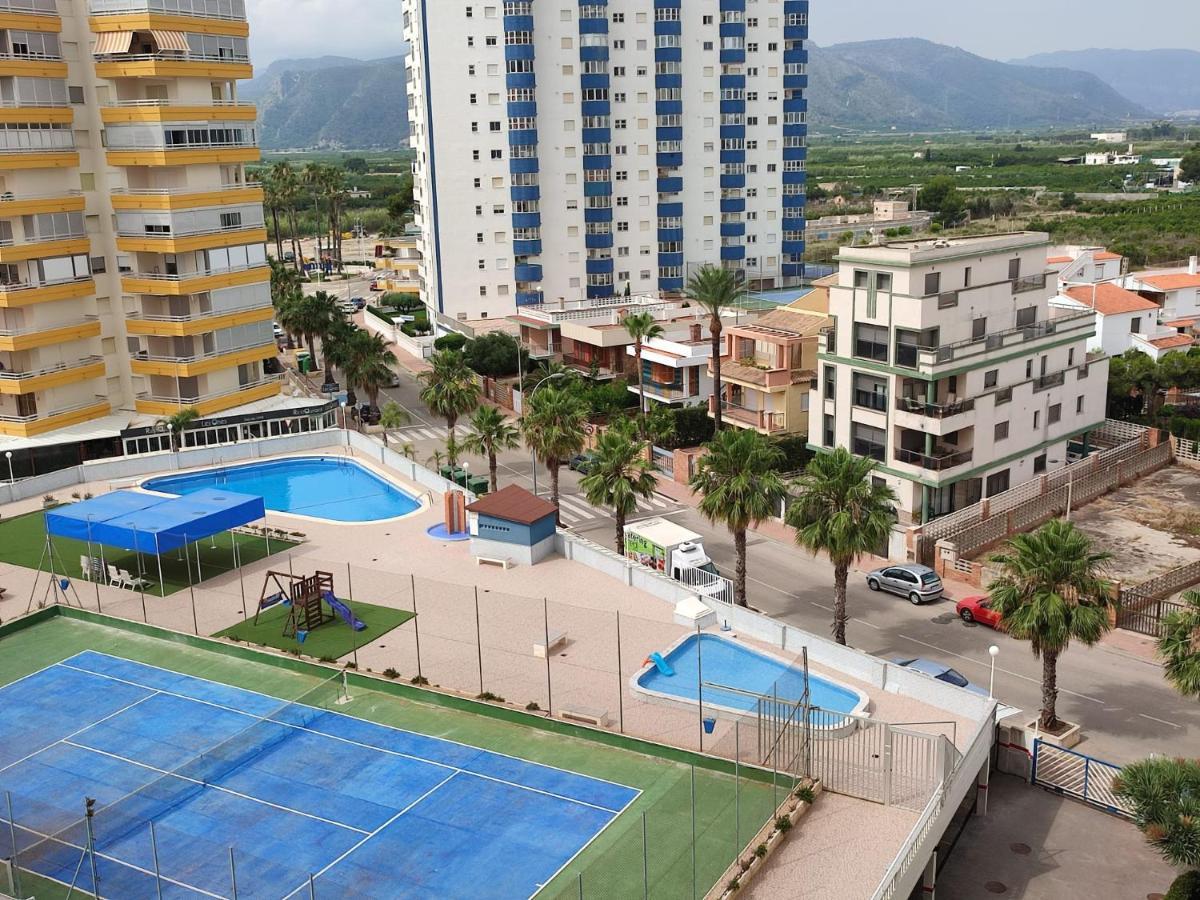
(367, 810)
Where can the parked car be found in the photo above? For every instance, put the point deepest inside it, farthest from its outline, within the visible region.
(978, 609)
(940, 672)
(376, 286)
(347, 308)
(581, 462)
(916, 582)
(359, 302)
(277, 330)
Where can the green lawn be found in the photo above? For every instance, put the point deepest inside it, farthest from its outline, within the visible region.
(332, 640)
(23, 540)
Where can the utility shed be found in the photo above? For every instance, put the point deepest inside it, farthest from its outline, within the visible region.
(512, 524)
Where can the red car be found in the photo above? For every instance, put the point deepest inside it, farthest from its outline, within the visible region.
(977, 609)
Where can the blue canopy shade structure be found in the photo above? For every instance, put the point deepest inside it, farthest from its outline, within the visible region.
(154, 525)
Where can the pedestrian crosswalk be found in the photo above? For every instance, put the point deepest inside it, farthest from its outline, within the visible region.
(431, 432)
(574, 509)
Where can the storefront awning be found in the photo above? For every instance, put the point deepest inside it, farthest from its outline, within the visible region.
(113, 42)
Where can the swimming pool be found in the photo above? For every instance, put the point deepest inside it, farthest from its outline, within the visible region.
(728, 662)
(318, 487)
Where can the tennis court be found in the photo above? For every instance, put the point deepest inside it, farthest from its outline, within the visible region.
(251, 796)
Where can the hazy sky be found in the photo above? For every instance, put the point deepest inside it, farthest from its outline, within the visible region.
(367, 29)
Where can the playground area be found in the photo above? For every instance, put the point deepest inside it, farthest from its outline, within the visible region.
(203, 787)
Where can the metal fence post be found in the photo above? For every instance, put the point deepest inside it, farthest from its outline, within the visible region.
(350, 606)
(1087, 763)
(312, 888)
(191, 589)
(233, 874)
(737, 788)
(412, 579)
(645, 861)
(580, 886)
(154, 853)
(478, 641)
(89, 811)
(620, 681)
(12, 836)
(546, 628)
(693, 788)
(700, 686)
(237, 561)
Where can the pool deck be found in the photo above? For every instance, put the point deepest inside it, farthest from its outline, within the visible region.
(392, 563)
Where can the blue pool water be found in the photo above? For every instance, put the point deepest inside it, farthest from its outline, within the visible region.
(727, 662)
(331, 488)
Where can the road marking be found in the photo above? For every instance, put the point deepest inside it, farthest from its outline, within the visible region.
(998, 668)
(1162, 721)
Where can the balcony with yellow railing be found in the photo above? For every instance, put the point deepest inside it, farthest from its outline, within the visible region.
(172, 199)
(32, 65)
(192, 282)
(185, 155)
(35, 247)
(208, 403)
(46, 377)
(47, 111)
(30, 337)
(134, 112)
(186, 243)
(201, 364)
(172, 64)
(196, 16)
(201, 322)
(30, 15)
(13, 205)
(14, 296)
(29, 425)
(14, 156)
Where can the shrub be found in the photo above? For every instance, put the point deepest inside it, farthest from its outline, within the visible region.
(381, 314)
(489, 697)
(351, 665)
(390, 673)
(1185, 887)
(734, 884)
(760, 851)
(805, 794)
(532, 706)
(795, 452)
(494, 355)
(693, 427)
(419, 680)
(783, 824)
(451, 341)
(327, 659)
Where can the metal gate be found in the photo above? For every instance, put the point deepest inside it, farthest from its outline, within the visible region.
(1144, 616)
(1076, 775)
(664, 460)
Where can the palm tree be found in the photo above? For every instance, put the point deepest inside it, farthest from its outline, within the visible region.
(641, 328)
(553, 429)
(435, 459)
(715, 290)
(309, 315)
(619, 475)
(1165, 796)
(391, 417)
(179, 422)
(1179, 646)
(287, 187)
(333, 325)
(273, 202)
(839, 510)
(449, 387)
(366, 363)
(739, 481)
(493, 433)
(1050, 591)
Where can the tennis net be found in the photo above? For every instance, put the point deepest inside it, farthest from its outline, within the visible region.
(134, 811)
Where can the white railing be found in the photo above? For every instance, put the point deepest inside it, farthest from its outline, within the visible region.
(39, 7)
(211, 354)
(17, 286)
(193, 317)
(234, 10)
(41, 239)
(178, 277)
(67, 145)
(32, 104)
(172, 235)
(167, 104)
(216, 395)
(181, 191)
(53, 326)
(60, 411)
(186, 145)
(53, 57)
(9, 197)
(50, 370)
(171, 56)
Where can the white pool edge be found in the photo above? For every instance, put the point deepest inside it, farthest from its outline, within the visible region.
(423, 504)
(848, 725)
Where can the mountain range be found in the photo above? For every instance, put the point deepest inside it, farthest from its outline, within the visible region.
(906, 84)
(1166, 81)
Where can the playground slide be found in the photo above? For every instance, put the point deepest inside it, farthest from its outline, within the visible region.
(344, 611)
(661, 664)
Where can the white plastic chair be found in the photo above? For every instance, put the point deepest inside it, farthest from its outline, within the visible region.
(85, 567)
(114, 577)
(134, 583)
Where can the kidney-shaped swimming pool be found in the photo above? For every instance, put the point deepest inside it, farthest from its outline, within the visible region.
(319, 487)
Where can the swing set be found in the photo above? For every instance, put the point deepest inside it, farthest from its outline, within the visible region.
(306, 595)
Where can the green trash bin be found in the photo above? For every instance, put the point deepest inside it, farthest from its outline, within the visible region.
(459, 477)
(304, 363)
(477, 485)
(447, 472)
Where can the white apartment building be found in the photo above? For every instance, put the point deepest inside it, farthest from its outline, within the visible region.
(947, 364)
(590, 149)
(133, 272)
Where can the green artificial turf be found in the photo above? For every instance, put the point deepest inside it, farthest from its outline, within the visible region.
(23, 543)
(332, 640)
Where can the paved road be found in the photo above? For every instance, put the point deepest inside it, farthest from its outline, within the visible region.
(1127, 709)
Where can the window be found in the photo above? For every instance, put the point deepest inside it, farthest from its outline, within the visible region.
(1026, 317)
(830, 382)
(1071, 357)
(1079, 404)
(1014, 269)
(1037, 419)
(1029, 368)
(997, 484)
(883, 281)
(828, 435)
(868, 441)
(75, 94)
(98, 266)
(979, 328)
(231, 220)
(967, 277)
(991, 378)
(871, 342)
(1135, 325)
(1001, 431)
(1054, 414)
(1039, 464)
(860, 278)
(870, 392)
(933, 283)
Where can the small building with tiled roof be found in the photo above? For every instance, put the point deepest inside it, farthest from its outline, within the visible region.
(512, 525)
(1122, 315)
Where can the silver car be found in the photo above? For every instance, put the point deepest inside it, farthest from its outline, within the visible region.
(916, 582)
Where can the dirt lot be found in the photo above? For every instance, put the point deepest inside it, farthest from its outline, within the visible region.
(1149, 527)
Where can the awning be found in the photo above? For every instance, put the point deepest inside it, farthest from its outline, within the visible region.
(113, 42)
(170, 40)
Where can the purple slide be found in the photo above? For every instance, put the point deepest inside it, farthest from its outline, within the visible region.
(344, 611)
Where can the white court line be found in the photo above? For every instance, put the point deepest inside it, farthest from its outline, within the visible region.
(113, 859)
(589, 842)
(432, 790)
(85, 727)
(385, 750)
(1160, 721)
(215, 787)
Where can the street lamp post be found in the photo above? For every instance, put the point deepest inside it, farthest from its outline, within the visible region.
(993, 652)
(532, 454)
(8, 456)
